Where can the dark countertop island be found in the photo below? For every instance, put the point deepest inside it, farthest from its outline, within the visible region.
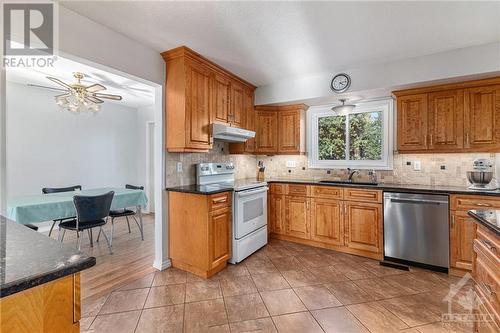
(29, 258)
(212, 189)
(487, 218)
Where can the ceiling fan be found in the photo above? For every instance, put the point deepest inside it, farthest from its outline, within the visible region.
(78, 97)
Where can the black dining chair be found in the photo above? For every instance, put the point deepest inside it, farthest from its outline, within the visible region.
(91, 212)
(47, 190)
(114, 214)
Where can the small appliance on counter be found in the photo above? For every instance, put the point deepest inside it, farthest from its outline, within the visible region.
(249, 231)
(482, 175)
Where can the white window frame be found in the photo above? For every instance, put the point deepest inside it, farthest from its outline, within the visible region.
(386, 163)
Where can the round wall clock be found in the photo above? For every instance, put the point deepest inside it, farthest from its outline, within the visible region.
(340, 83)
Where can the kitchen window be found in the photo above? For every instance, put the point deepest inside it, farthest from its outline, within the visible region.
(361, 138)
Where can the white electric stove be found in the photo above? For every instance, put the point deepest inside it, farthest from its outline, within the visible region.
(249, 232)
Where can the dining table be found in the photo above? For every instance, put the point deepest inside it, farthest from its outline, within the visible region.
(29, 209)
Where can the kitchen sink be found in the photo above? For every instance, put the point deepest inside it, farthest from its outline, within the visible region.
(333, 182)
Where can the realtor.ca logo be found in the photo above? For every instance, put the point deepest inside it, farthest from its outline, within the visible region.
(29, 34)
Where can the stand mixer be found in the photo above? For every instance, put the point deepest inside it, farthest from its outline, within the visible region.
(482, 175)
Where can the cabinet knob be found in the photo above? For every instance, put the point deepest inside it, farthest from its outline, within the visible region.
(488, 244)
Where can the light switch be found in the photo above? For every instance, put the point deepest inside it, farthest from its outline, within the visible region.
(291, 164)
(179, 166)
(417, 166)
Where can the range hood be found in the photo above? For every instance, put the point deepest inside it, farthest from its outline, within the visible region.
(227, 133)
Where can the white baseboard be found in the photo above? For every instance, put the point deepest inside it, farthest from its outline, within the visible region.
(162, 265)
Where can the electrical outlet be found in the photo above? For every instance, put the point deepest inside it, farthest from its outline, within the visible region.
(179, 166)
(291, 164)
(417, 166)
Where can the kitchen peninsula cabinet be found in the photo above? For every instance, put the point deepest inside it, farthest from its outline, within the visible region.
(343, 219)
(198, 93)
(459, 117)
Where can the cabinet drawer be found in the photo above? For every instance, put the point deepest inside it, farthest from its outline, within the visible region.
(327, 192)
(295, 189)
(486, 275)
(277, 188)
(488, 321)
(467, 202)
(491, 243)
(219, 200)
(363, 194)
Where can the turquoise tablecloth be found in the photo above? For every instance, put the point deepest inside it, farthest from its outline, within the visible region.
(47, 207)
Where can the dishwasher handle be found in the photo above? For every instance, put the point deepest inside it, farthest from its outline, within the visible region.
(418, 201)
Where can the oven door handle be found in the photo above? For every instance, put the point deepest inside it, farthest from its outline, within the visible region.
(247, 193)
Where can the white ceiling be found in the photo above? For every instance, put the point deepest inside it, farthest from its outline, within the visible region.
(266, 42)
(134, 94)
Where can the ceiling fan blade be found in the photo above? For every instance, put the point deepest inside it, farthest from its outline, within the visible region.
(95, 87)
(55, 80)
(108, 96)
(94, 99)
(62, 95)
(45, 87)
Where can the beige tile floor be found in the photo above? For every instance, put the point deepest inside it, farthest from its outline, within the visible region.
(284, 287)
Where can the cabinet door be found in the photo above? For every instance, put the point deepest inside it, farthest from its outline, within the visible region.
(266, 128)
(363, 225)
(462, 234)
(289, 132)
(446, 116)
(237, 110)
(327, 221)
(276, 212)
(222, 93)
(219, 237)
(297, 217)
(482, 118)
(249, 118)
(198, 106)
(412, 122)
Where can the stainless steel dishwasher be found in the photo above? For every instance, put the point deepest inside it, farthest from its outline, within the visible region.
(416, 228)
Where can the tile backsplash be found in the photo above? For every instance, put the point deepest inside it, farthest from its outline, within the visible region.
(436, 169)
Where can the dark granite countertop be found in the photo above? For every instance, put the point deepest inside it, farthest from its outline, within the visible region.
(488, 218)
(212, 189)
(394, 187)
(200, 189)
(29, 258)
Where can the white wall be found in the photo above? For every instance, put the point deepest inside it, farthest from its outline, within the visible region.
(144, 116)
(377, 80)
(50, 148)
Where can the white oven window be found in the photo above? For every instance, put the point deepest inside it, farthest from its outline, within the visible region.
(253, 209)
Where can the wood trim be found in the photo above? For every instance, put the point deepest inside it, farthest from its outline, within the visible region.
(447, 86)
(282, 107)
(77, 305)
(343, 249)
(184, 51)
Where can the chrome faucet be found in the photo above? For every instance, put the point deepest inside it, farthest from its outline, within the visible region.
(351, 173)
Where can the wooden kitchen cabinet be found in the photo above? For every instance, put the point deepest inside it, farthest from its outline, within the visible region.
(289, 131)
(327, 221)
(297, 217)
(446, 120)
(266, 132)
(364, 229)
(412, 122)
(276, 213)
(247, 147)
(200, 231)
(449, 118)
(199, 92)
(482, 119)
(462, 233)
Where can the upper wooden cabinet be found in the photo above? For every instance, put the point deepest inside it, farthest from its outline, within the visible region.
(450, 118)
(280, 129)
(482, 118)
(198, 93)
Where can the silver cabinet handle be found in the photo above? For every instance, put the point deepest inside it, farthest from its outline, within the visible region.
(488, 288)
(483, 204)
(488, 244)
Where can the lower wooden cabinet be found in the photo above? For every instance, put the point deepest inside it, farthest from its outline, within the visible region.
(363, 223)
(462, 231)
(297, 217)
(322, 216)
(327, 221)
(200, 232)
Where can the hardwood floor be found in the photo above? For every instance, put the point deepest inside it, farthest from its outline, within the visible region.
(132, 258)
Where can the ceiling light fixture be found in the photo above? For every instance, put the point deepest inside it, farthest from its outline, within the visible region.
(343, 108)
